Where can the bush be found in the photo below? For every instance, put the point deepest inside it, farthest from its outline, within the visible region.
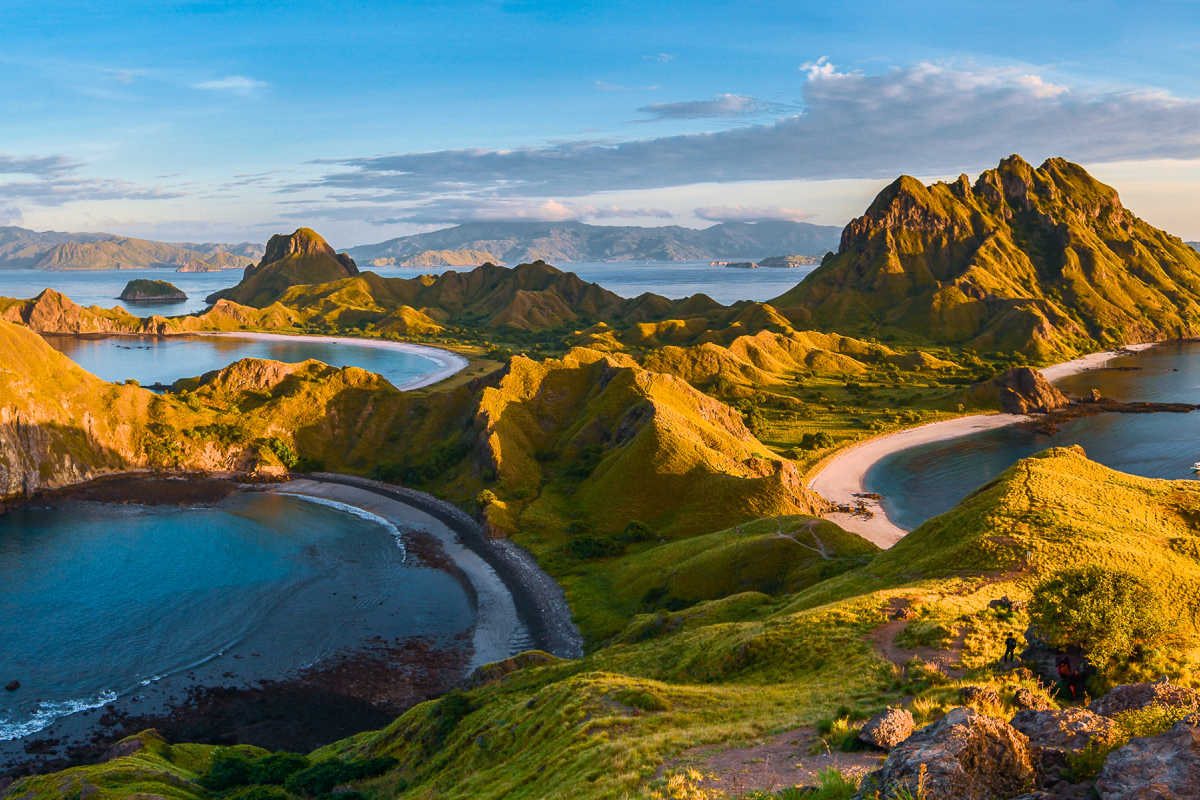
(1105, 612)
(231, 769)
(321, 778)
(588, 546)
(816, 441)
(636, 531)
(485, 498)
(282, 450)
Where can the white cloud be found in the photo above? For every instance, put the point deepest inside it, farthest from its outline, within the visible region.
(751, 214)
(236, 84)
(723, 105)
(661, 58)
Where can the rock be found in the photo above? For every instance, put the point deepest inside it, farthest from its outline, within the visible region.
(964, 756)
(1163, 767)
(1001, 603)
(1054, 734)
(1027, 698)
(888, 728)
(12, 686)
(1021, 390)
(1139, 695)
(980, 695)
(1094, 396)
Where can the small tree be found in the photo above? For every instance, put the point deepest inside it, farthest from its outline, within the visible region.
(1106, 612)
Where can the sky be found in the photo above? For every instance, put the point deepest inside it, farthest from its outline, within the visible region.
(230, 121)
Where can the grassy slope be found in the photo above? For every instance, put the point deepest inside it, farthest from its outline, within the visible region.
(751, 663)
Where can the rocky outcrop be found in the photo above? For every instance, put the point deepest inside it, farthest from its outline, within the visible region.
(964, 756)
(1163, 767)
(1021, 390)
(888, 728)
(300, 258)
(1053, 735)
(1028, 699)
(979, 695)
(1139, 695)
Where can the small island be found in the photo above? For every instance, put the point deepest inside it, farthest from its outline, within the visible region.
(143, 290)
(789, 261)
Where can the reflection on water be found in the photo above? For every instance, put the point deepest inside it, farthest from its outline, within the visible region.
(927, 480)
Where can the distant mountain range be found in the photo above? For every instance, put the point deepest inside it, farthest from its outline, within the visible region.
(566, 242)
(21, 248)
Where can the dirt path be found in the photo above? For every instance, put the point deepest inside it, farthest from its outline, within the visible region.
(883, 639)
(779, 762)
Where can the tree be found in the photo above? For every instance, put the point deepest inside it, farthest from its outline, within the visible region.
(1105, 612)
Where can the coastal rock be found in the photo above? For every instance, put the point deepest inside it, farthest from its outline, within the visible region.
(1163, 767)
(1139, 695)
(888, 728)
(964, 756)
(1053, 735)
(12, 686)
(1021, 390)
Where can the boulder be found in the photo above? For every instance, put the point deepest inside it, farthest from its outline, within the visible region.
(12, 686)
(1139, 695)
(1055, 734)
(981, 695)
(888, 728)
(1021, 390)
(1027, 698)
(1163, 767)
(964, 756)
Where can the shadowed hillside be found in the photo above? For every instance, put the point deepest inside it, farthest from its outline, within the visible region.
(1045, 261)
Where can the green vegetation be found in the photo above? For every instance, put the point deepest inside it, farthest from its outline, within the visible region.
(1107, 612)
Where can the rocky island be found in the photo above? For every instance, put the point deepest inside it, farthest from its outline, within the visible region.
(143, 290)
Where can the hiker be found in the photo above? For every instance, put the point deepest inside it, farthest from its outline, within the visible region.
(1010, 648)
(1063, 665)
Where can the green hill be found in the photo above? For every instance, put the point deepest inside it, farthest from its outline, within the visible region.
(1045, 261)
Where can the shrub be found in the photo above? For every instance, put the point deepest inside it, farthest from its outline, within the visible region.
(231, 769)
(282, 450)
(816, 441)
(637, 531)
(588, 546)
(486, 497)
(320, 779)
(1106, 612)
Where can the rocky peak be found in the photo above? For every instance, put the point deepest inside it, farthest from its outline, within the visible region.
(303, 242)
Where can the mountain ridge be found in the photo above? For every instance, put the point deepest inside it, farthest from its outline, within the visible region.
(22, 248)
(1043, 261)
(564, 242)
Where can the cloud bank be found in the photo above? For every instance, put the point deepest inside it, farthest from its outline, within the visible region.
(925, 118)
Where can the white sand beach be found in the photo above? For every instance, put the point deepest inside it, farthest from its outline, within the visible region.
(842, 476)
(448, 363)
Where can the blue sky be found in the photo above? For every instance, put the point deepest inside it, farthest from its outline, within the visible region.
(230, 120)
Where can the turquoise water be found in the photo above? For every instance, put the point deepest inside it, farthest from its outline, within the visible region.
(99, 601)
(921, 482)
(150, 360)
(626, 279)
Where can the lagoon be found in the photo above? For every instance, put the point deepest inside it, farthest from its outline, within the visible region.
(921, 482)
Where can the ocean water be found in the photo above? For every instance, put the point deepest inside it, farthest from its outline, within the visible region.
(921, 482)
(150, 359)
(626, 279)
(100, 601)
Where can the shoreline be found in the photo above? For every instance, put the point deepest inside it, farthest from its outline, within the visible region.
(518, 607)
(842, 474)
(449, 363)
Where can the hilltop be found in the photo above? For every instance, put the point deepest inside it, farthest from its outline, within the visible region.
(1044, 261)
(53, 250)
(301, 258)
(563, 242)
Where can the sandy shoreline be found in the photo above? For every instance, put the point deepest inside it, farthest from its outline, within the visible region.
(448, 362)
(842, 476)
